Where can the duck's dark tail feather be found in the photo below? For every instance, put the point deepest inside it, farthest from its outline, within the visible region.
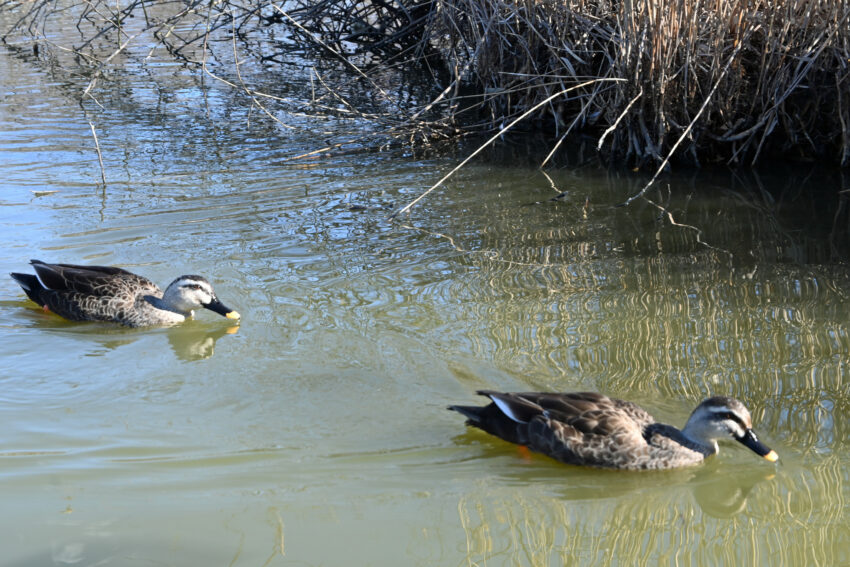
(473, 413)
(31, 286)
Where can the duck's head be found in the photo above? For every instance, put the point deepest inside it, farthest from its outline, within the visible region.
(187, 293)
(724, 418)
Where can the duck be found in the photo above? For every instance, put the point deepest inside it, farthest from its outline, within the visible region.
(591, 429)
(105, 293)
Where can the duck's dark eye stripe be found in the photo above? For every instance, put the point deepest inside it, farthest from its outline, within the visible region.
(732, 417)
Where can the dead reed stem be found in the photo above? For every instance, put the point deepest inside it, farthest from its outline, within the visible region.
(99, 155)
(492, 139)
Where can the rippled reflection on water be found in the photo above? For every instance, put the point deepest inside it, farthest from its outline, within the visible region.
(316, 433)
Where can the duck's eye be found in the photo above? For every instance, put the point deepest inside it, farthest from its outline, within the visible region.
(192, 286)
(727, 415)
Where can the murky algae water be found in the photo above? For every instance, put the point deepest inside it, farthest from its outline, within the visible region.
(316, 433)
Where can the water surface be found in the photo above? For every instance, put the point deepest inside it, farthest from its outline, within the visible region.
(316, 433)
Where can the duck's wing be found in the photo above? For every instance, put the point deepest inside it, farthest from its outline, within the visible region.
(89, 293)
(583, 428)
(93, 281)
(586, 411)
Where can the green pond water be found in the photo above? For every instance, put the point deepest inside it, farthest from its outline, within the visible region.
(316, 431)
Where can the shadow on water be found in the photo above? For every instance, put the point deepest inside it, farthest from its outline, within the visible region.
(786, 212)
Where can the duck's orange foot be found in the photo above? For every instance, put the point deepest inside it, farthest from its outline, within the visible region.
(46, 308)
(524, 453)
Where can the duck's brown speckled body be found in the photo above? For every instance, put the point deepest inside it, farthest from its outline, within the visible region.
(104, 293)
(587, 428)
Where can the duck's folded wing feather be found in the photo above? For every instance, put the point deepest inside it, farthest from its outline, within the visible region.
(603, 440)
(89, 280)
(515, 406)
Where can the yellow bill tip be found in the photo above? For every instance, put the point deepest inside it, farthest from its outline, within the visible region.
(772, 457)
(233, 315)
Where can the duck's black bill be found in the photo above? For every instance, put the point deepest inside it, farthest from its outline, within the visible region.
(752, 442)
(218, 307)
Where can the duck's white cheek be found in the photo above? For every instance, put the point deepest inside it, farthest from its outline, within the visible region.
(736, 430)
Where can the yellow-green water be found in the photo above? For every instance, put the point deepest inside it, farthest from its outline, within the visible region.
(316, 433)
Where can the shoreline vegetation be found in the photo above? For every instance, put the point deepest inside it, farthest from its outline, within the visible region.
(645, 84)
(732, 81)
(721, 81)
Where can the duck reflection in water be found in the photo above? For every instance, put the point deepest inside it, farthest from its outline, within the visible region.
(196, 343)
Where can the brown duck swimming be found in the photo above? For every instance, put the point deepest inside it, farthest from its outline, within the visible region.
(586, 428)
(102, 293)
